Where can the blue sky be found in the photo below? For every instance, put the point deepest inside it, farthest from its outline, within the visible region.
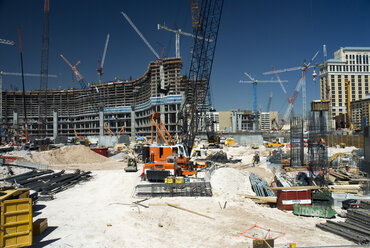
(253, 36)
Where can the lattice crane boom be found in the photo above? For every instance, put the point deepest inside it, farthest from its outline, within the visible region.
(101, 62)
(140, 34)
(197, 99)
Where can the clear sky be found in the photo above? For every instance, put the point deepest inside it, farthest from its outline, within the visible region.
(253, 36)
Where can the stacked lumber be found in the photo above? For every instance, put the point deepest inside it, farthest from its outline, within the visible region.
(343, 177)
(356, 227)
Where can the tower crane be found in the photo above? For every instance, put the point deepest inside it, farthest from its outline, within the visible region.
(101, 62)
(255, 82)
(160, 89)
(161, 70)
(84, 85)
(269, 102)
(177, 33)
(302, 80)
(7, 42)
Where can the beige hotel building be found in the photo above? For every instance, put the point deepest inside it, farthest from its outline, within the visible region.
(349, 63)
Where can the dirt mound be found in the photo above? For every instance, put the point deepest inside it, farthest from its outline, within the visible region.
(68, 155)
(230, 182)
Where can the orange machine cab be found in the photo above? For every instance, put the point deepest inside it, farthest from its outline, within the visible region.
(163, 161)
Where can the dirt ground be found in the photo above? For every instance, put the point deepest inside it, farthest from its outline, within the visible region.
(100, 213)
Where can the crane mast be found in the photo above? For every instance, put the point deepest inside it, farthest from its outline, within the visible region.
(197, 102)
(44, 72)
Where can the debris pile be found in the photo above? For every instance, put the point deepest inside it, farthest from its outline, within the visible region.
(356, 226)
(221, 157)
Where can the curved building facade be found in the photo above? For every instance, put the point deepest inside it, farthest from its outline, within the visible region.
(120, 103)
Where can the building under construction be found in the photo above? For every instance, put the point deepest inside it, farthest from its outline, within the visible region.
(120, 103)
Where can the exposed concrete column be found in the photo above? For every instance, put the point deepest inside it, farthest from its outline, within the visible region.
(55, 123)
(101, 122)
(233, 121)
(15, 117)
(239, 118)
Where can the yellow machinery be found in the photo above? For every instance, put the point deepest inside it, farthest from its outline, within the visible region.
(107, 129)
(16, 218)
(122, 131)
(274, 144)
(349, 117)
(79, 140)
(229, 142)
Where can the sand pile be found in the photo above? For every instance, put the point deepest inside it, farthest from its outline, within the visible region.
(230, 182)
(244, 153)
(68, 155)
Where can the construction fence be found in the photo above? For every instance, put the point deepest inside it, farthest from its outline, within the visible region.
(349, 140)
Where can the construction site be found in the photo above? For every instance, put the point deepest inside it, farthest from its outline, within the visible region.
(149, 162)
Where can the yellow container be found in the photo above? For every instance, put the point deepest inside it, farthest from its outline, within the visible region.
(229, 142)
(179, 180)
(169, 180)
(16, 223)
(16, 218)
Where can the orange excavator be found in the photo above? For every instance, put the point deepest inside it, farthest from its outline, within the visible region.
(168, 159)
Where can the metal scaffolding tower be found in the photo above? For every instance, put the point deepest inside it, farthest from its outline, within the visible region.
(296, 142)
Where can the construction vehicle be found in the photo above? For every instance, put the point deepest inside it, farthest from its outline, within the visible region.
(131, 165)
(107, 129)
(80, 140)
(274, 144)
(121, 131)
(168, 159)
(213, 140)
(229, 142)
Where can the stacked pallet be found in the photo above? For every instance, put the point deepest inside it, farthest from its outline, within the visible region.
(356, 227)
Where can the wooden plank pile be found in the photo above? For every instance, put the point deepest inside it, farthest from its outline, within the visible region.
(356, 227)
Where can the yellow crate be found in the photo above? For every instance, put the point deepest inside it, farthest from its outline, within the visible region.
(169, 180)
(179, 180)
(16, 223)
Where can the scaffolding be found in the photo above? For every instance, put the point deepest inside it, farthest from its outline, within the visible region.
(318, 141)
(296, 142)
